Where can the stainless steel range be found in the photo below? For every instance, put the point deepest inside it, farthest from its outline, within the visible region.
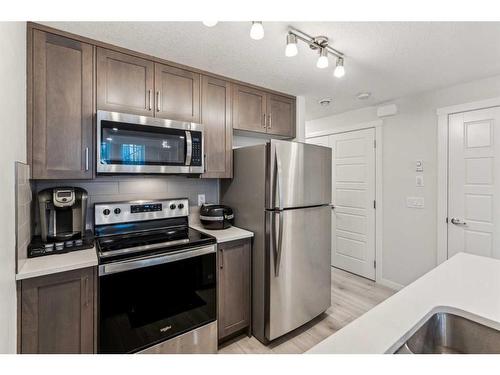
(157, 279)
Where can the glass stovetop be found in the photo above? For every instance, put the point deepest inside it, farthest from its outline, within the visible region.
(138, 244)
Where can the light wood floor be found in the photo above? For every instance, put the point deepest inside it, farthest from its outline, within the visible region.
(352, 296)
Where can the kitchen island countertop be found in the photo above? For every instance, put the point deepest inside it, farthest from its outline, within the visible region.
(466, 285)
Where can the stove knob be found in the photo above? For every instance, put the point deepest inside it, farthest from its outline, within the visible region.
(180, 206)
(173, 206)
(106, 212)
(117, 211)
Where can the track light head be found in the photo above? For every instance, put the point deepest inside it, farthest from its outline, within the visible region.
(210, 23)
(339, 71)
(322, 59)
(291, 45)
(257, 30)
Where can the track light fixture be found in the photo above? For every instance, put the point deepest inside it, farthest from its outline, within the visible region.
(318, 43)
(257, 30)
(291, 45)
(210, 23)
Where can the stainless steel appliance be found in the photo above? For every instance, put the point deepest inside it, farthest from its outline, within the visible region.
(139, 144)
(157, 279)
(62, 219)
(282, 192)
(216, 216)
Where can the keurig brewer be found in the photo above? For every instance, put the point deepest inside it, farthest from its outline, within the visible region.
(62, 218)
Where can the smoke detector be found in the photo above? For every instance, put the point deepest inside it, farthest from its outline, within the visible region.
(325, 102)
(363, 95)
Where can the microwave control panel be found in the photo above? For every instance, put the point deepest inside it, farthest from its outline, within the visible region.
(196, 156)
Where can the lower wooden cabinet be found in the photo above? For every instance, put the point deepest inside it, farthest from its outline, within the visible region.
(57, 313)
(234, 302)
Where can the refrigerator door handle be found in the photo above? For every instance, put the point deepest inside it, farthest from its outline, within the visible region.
(277, 246)
(278, 183)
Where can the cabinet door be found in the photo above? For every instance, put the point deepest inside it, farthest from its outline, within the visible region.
(124, 83)
(281, 115)
(218, 135)
(234, 286)
(177, 93)
(62, 112)
(57, 313)
(249, 109)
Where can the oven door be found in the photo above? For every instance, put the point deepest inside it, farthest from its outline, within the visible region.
(138, 144)
(152, 299)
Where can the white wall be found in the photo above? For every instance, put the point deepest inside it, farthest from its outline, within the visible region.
(409, 235)
(13, 147)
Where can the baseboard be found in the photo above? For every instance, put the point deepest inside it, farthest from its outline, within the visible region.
(390, 284)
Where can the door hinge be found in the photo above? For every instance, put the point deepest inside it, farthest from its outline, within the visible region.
(375, 204)
(374, 143)
(374, 264)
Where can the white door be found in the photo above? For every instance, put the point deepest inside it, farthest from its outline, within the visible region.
(474, 183)
(353, 195)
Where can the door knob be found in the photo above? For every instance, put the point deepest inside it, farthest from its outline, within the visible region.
(456, 221)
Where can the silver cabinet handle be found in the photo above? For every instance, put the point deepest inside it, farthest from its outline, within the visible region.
(456, 221)
(86, 289)
(86, 158)
(221, 258)
(149, 96)
(264, 124)
(270, 120)
(158, 101)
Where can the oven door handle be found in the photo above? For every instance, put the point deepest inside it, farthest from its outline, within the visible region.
(189, 147)
(107, 269)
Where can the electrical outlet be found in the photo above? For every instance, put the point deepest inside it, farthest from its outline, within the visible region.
(419, 181)
(419, 166)
(201, 199)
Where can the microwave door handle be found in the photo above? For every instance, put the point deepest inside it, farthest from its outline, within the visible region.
(189, 147)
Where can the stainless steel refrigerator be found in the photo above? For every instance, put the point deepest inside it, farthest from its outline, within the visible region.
(281, 191)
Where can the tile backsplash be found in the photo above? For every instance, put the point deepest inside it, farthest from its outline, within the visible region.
(23, 212)
(115, 189)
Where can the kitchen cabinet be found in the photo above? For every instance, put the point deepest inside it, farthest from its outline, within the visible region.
(263, 112)
(234, 285)
(249, 109)
(61, 110)
(124, 83)
(57, 313)
(218, 134)
(280, 115)
(177, 93)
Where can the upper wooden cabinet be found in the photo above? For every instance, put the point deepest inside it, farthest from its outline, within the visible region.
(249, 109)
(280, 115)
(124, 83)
(57, 313)
(218, 135)
(61, 127)
(177, 93)
(260, 111)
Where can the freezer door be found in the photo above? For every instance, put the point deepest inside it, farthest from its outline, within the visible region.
(299, 289)
(299, 175)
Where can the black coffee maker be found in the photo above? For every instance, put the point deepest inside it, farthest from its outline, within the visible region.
(63, 215)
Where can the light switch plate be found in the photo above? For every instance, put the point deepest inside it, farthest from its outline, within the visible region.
(415, 202)
(201, 199)
(419, 180)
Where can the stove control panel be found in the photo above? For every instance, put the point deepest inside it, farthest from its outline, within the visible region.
(125, 212)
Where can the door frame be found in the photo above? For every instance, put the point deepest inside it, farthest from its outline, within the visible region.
(377, 125)
(442, 167)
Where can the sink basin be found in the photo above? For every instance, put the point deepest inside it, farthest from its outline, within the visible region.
(446, 333)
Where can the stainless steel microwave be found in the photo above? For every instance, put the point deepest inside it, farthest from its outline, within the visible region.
(139, 144)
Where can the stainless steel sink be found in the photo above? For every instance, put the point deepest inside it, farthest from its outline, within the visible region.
(446, 333)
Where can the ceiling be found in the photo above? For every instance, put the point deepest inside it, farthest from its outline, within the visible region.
(388, 59)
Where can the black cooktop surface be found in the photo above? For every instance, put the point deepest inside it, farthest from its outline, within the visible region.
(138, 244)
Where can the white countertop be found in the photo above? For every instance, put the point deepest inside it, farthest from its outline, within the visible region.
(46, 265)
(467, 285)
(224, 235)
